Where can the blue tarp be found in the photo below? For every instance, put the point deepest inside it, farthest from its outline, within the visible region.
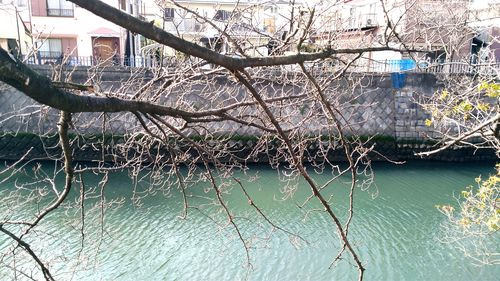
(398, 78)
(406, 64)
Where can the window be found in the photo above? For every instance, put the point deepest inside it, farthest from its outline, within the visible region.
(168, 14)
(38, 8)
(272, 9)
(352, 18)
(222, 15)
(50, 48)
(18, 3)
(370, 17)
(59, 8)
(123, 5)
(13, 47)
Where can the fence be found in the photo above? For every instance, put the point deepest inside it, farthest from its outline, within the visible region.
(362, 65)
(134, 61)
(407, 65)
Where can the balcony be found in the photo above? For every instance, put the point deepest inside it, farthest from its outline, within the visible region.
(50, 55)
(186, 25)
(363, 21)
(60, 13)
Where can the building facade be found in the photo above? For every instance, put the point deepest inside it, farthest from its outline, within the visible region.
(62, 30)
(50, 30)
(438, 30)
(15, 34)
(485, 23)
(228, 26)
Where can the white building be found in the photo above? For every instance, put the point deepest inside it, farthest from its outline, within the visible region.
(15, 27)
(434, 26)
(251, 24)
(485, 22)
(62, 29)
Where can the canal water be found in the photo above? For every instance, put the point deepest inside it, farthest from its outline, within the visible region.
(396, 230)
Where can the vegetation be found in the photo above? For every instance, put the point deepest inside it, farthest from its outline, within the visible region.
(285, 101)
(469, 116)
(473, 226)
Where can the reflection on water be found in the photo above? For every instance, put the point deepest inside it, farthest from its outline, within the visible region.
(396, 232)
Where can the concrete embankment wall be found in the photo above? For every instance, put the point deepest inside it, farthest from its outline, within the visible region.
(375, 107)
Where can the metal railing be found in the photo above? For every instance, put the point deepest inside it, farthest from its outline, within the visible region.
(367, 66)
(118, 61)
(407, 65)
(60, 12)
(363, 21)
(183, 25)
(50, 54)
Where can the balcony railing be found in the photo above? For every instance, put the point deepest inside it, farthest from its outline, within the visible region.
(363, 21)
(183, 25)
(60, 12)
(50, 55)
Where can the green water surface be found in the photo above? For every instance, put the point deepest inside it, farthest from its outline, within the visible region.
(396, 230)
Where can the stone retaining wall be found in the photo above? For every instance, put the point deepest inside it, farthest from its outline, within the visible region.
(378, 109)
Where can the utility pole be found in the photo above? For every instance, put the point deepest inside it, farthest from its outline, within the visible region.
(131, 36)
(20, 49)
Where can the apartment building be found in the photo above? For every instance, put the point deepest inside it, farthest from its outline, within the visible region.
(61, 29)
(48, 31)
(447, 30)
(485, 23)
(436, 26)
(352, 24)
(250, 24)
